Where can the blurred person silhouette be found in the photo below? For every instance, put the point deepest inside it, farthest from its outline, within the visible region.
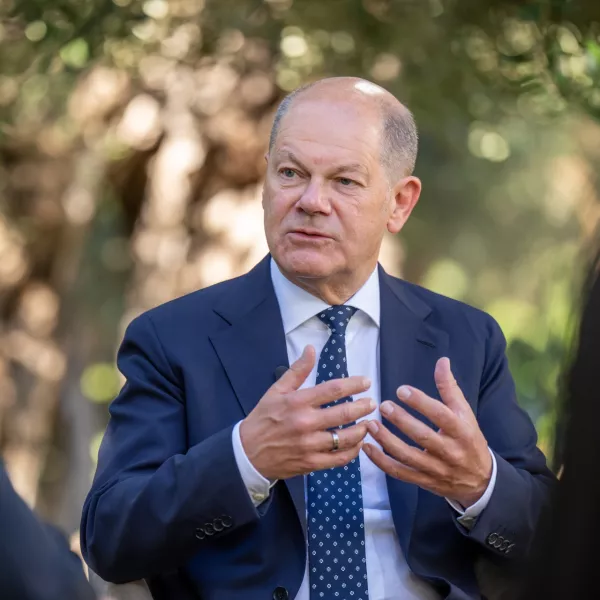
(237, 466)
(36, 562)
(565, 564)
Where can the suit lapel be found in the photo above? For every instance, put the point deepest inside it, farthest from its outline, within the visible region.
(252, 348)
(409, 349)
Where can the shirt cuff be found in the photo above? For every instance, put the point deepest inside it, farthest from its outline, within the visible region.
(258, 486)
(469, 515)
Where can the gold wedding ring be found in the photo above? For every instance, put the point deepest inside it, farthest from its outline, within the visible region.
(336, 441)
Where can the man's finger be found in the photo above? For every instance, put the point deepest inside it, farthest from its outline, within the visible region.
(395, 469)
(335, 389)
(423, 435)
(296, 375)
(328, 460)
(437, 412)
(348, 438)
(345, 413)
(450, 393)
(408, 455)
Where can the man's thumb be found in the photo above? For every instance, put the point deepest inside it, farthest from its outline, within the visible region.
(296, 375)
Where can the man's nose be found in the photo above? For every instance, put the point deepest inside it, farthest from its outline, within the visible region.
(314, 199)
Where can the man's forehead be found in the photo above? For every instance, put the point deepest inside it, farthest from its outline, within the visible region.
(331, 122)
(322, 128)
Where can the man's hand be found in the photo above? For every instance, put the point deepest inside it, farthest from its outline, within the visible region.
(286, 433)
(455, 461)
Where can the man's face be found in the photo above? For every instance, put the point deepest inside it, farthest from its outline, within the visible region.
(326, 197)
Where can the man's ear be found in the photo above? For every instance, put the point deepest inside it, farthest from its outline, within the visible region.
(405, 195)
(267, 157)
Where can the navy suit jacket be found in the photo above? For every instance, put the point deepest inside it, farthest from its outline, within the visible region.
(35, 560)
(168, 503)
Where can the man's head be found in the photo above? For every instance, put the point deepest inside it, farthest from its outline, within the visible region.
(340, 162)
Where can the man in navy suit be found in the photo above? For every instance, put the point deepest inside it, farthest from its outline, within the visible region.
(383, 463)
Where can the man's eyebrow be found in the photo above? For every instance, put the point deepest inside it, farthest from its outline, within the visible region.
(349, 168)
(345, 168)
(287, 155)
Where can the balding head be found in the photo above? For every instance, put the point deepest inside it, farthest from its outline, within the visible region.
(399, 137)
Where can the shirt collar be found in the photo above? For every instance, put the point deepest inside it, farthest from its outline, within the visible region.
(298, 305)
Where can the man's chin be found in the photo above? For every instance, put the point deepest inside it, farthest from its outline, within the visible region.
(308, 265)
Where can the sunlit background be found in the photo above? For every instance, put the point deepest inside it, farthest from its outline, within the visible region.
(132, 137)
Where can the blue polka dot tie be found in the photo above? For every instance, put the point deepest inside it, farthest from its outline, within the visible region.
(336, 538)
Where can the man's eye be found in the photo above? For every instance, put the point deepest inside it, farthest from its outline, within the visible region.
(345, 181)
(288, 173)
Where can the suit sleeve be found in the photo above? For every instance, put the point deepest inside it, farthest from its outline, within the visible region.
(36, 562)
(154, 502)
(523, 481)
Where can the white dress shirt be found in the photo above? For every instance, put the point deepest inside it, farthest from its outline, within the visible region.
(388, 574)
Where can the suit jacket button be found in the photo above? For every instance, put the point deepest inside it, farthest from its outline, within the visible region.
(280, 593)
(227, 521)
(209, 529)
(218, 524)
(492, 539)
(200, 533)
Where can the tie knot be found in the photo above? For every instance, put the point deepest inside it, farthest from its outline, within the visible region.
(337, 318)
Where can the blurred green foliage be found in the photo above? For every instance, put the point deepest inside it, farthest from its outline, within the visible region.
(100, 382)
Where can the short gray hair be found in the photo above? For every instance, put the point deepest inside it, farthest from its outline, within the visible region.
(400, 143)
(400, 138)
